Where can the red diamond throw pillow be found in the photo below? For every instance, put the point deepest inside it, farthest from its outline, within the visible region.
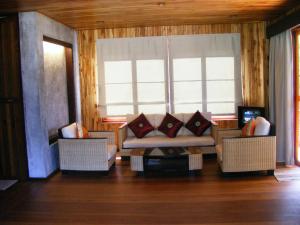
(198, 124)
(140, 126)
(170, 126)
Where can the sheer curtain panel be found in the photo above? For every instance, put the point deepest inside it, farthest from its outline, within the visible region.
(281, 96)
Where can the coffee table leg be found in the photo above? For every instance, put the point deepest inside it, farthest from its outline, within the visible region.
(195, 162)
(136, 163)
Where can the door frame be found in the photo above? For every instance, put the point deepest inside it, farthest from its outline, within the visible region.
(296, 58)
(22, 171)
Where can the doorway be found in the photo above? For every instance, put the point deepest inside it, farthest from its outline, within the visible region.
(13, 155)
(297, 94)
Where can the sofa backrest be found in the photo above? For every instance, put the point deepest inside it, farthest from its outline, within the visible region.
(156, 119)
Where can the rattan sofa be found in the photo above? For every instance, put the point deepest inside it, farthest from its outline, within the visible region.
(243, 154)
(96, 153)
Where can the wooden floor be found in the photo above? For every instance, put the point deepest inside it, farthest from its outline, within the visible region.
(124, 198)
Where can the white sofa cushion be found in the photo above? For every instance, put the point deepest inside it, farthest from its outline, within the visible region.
(162, 141)
(262, 126)
(69, 131)
(112, 150)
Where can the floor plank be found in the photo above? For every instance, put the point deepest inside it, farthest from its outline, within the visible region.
(122, 197)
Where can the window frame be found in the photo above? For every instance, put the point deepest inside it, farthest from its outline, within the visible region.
(172, 82)
(134, 84)
(237, 85)
(165, 82)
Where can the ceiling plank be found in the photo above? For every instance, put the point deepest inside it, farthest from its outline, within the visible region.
(91, 14)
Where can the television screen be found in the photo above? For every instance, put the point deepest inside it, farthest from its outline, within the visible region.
(246, 113)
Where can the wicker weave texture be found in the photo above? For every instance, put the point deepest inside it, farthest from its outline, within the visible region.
(103, 134)
(122, 138)
(84, 154)
(136, 163)
(249, 154)
(195, 161)
(220, 134)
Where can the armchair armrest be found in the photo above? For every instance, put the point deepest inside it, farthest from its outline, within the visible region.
(123, 125)
(110, 135)
(122, 134)
(214, 128)
(227, 133)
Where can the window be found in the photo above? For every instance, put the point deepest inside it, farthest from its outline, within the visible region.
(187, 85)
(118, 87)
(214, 91)
(178, 74)
(147, 95)
(220, 84)
(151, 94)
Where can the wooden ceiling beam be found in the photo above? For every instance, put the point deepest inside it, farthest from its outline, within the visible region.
(287, 21)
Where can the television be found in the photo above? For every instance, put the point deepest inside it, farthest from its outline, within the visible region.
(246, 113)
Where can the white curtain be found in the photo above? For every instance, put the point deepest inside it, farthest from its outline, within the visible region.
(281, 91)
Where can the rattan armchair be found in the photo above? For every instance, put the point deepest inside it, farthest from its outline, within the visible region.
(96, 153)
(243, 154)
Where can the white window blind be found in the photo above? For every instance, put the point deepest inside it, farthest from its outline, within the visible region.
(169, 74)
(208, 67)
(187, 85)
(132, 75)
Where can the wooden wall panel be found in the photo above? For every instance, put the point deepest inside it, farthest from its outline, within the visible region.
(253, 55)
(227, 124)
(109, 126)
(87, 62)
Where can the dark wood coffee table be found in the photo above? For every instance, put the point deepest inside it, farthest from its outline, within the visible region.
(166, 159)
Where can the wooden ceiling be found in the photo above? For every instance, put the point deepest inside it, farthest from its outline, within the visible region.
(90, 14)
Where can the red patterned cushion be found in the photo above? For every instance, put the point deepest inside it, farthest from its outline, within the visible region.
(249, 128)
(198, 124)
(82, 132)
(170, 126)
(140, 126)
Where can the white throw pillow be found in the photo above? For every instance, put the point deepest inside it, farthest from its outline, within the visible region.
(262, 126)
(69, 131)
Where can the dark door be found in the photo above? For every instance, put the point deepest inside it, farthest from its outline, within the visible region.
(13, 157)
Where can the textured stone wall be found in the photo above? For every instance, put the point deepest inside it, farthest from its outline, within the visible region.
(55, 87)
(42, 159)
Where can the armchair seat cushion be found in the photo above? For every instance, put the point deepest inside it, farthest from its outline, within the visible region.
(112, 150)
(162, 141)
